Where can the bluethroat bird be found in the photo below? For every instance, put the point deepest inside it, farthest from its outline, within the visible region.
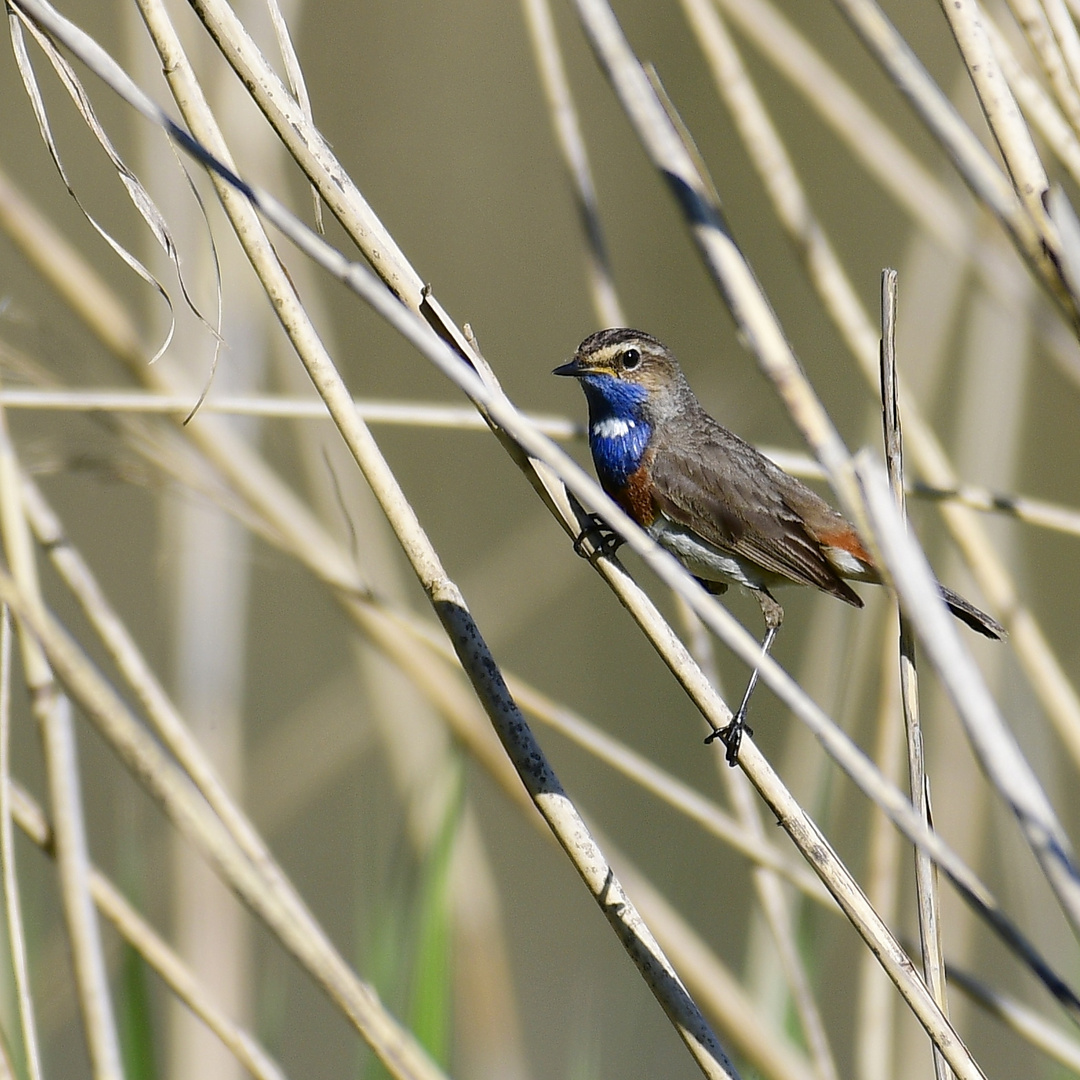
(728, 513)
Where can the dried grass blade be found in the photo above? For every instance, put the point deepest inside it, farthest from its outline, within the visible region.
(22, 59)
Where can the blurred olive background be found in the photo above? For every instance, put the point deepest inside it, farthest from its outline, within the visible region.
(436, 112)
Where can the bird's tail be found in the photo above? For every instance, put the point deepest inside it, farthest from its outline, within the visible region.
(968, 613)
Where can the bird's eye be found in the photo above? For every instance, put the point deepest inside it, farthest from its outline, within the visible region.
(630, 359)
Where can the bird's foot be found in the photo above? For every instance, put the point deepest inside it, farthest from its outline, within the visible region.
(605, 541)
(731, 736)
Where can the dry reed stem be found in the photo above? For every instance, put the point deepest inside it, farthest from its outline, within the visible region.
(1038, 512)
(52, 710)
(926, 891)
(12, 898)
(1032, 19)
(1006, 122)
(406, 413)
(1068, 39)
(1063, 215)
(297, 85)
(145, 940)
(186, 808)
(1045, 116)
(1031, 511)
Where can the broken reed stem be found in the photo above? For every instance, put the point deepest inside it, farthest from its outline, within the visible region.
(926, 890)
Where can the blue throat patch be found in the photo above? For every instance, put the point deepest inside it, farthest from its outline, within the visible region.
(618, 436)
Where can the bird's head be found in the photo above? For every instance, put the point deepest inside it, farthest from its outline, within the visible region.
(623, 368)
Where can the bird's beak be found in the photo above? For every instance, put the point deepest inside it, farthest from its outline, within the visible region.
(570, 368)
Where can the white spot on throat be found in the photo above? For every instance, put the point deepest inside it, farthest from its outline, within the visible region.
(612, 427)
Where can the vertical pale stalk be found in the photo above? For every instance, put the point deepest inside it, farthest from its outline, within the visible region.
(53, 712)
(925, 873)
(208, 554)
(12, 899)
(207, 559)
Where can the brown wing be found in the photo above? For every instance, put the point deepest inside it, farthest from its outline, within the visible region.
(737, 500)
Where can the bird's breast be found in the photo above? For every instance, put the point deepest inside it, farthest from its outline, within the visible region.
(635, 496)
(621, 454)
(619, 445)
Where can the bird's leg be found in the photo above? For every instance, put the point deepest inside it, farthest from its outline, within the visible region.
(731, 734)
(598, 532)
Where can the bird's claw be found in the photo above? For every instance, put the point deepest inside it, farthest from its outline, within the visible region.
(731, 736)
(606, 540)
